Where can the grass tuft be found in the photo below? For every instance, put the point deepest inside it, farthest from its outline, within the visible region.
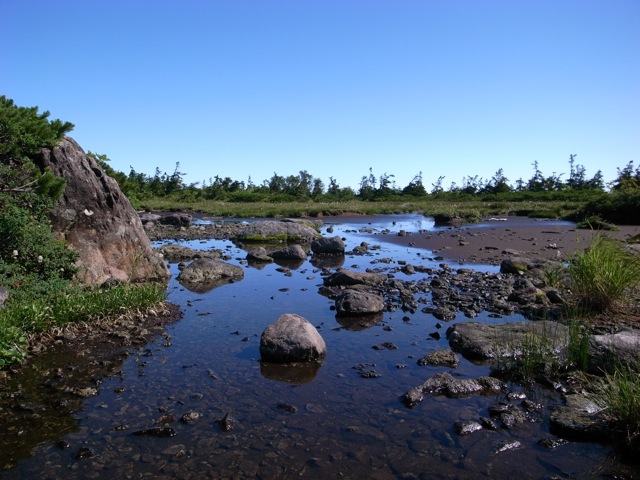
(603, 273)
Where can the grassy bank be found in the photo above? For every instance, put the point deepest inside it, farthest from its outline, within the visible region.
(464, 209)
(20, 320)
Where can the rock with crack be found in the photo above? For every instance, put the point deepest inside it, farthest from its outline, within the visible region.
(97, 220)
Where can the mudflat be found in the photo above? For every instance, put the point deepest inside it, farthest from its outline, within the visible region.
(488, 242)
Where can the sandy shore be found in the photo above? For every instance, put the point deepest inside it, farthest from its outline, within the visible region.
(487, 242)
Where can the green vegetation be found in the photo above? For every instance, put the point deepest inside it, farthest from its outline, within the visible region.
(36, 268)
(602, 274)
(618, 393)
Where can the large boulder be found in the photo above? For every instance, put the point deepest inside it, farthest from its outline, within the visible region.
(271, 231)
(291, 338)
(204, 274)
(96, 219)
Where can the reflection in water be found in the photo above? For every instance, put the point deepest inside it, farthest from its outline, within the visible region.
(327, 261)
(361, 322)
(293, 373)
(206, 286)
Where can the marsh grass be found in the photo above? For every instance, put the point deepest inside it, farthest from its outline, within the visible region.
(553, 276)
(577, 352)
(618, 393)
(531, 355)
(469, 210)
(602, 274)
(20, 319)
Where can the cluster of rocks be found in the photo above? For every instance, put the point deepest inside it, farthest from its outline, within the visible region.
(444, 292)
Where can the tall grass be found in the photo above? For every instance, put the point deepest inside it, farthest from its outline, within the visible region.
(618, 393)
(602, 274)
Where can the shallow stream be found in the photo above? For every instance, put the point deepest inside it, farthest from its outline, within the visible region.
(326, 422)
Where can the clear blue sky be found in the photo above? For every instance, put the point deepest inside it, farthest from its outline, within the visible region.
(240, 88)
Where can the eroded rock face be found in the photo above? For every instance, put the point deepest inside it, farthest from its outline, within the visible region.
(292, 338)
(96, 219)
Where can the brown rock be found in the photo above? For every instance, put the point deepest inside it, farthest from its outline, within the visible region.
(96, 218)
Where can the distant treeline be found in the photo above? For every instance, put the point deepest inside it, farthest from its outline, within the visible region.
(306, 187)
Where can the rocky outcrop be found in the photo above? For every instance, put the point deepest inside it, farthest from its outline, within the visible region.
(175, 219)
(580, 418)
(445, 384)
(180, 253)
(440, 358)
(292, 252)
(357, 302)
(328, 245)
(344, 277)
(97, 220)
(271, 231)
(479, 341)
(291, 338)
(204, 274)
(607, 352)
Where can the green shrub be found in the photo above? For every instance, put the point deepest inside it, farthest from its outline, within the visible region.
(603, 273)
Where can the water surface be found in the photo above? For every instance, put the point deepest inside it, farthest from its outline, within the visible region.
(324, 422)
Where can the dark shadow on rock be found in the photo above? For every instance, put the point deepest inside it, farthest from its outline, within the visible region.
(360, 322)
(294, 373)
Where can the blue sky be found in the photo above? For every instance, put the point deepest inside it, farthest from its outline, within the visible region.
(240, 88)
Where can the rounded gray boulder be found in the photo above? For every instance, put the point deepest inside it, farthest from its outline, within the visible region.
(291, 338)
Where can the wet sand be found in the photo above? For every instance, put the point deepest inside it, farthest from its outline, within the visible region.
(490, 241)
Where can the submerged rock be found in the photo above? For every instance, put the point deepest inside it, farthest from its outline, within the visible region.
(440, 358)
(445, 384)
